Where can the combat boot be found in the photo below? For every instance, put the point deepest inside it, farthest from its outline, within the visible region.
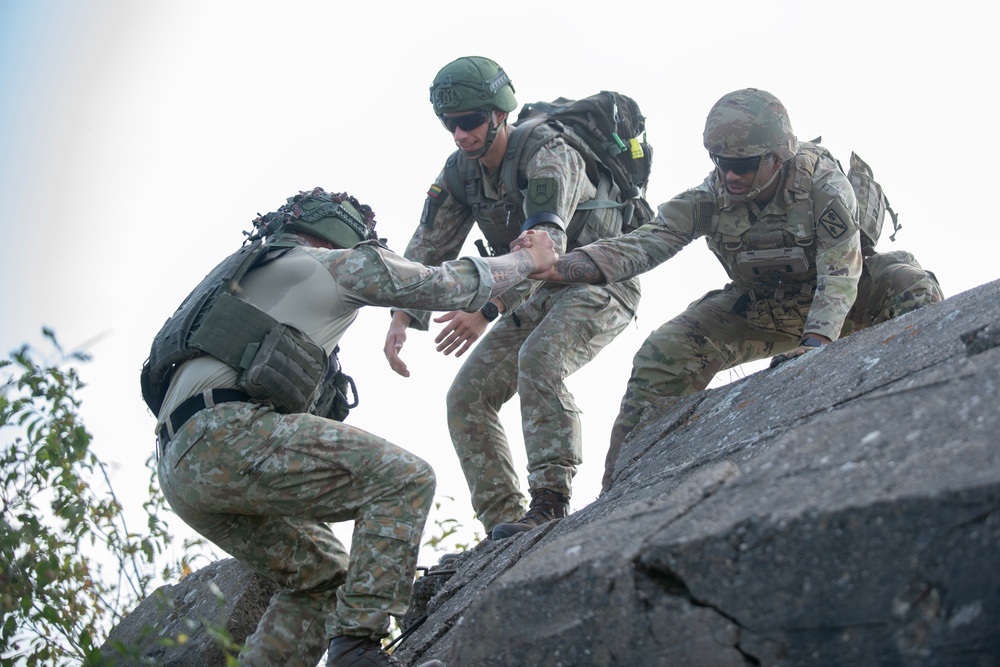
(358, 652)
(545, 506)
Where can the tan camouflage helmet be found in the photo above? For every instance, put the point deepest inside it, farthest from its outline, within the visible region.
(472, 83)
(749, 123)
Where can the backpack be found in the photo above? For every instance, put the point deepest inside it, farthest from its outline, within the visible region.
(605, 122)
(872, 204)
(608, 129)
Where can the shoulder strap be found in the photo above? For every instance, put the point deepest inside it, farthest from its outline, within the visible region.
(453, 179)
(516, 143)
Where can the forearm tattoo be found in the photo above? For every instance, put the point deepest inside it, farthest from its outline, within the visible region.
(510, 269)
(577, 267)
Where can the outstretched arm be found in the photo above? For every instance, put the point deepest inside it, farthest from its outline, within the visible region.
(573, 267)
(536, 255)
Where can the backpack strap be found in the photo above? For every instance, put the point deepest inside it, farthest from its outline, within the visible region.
(516, 143)
(453, 180)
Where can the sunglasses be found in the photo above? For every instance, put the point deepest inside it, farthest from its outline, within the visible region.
(737, 165)
(466, 123)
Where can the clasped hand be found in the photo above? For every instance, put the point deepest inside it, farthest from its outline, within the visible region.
(530, 240)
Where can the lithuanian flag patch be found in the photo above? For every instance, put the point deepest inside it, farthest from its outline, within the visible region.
(434, 192)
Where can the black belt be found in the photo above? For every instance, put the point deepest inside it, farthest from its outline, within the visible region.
(190, 407)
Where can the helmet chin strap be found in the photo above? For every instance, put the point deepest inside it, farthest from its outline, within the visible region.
(756, 189)
(491, 134)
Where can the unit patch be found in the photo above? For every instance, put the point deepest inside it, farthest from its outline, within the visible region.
(832, 223)
(541, 191)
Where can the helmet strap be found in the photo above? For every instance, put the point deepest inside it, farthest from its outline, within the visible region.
(491, 135)
(756, 189)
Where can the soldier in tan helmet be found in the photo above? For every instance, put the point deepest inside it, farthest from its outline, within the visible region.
(784, 220)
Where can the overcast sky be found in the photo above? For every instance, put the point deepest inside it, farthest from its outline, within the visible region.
(138, 140)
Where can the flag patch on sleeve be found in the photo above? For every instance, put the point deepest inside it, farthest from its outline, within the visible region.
(435, 191)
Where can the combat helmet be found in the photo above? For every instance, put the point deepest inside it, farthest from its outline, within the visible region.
(335, 217)
(472, 83)
(749, 123)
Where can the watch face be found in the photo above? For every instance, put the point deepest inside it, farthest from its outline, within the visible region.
(490, 311)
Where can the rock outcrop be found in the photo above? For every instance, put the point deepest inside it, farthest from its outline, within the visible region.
(225, 595)
(840, 509)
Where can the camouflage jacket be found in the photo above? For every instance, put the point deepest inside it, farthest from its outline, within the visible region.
(446, 222)
(804, 243)
(320, 291)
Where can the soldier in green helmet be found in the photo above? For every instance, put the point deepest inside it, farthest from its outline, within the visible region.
(234, 377)
(784, 221)
(541, 332)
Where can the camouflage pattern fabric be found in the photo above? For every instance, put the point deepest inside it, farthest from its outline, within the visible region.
(562, 328)
(554, 330)
(683, 355)
(262, 486)
(893, 284)
(441, 239)
(748, 319)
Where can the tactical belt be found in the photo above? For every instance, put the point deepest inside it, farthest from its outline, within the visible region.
(190, 407)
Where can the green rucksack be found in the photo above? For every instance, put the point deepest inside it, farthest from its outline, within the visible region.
(872, 204)
(614, 130)
(608, 129)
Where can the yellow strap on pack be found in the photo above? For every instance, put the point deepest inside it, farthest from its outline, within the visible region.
(636, 149)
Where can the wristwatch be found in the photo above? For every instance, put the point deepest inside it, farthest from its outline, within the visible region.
(490, 311)
(811, 341)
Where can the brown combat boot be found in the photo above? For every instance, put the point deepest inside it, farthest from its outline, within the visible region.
(545, 506)
(348, 651)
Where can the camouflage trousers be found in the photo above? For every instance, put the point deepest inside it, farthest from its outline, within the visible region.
(683, 355)
(558, 330)
(263, 486)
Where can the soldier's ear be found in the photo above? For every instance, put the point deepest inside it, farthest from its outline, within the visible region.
(501, 117)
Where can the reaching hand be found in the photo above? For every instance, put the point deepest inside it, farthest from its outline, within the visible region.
(800, 350)
(463, 330)
(539, 245)
(394, 343)
(530, 240)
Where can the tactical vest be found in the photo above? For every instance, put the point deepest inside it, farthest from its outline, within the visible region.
(775, 252)
(275, 362)
(500, 220)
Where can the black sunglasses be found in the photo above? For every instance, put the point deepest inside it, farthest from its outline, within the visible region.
(737, 165)
(467, 123)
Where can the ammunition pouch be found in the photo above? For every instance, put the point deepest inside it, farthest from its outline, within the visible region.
(285, 369)
(774, 266)
(786, 314)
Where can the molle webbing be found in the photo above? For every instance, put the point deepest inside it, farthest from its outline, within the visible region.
(172, 345)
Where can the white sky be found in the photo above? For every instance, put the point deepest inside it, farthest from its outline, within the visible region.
(138, 139)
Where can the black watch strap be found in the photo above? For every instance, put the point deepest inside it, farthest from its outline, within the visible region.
(811, 342)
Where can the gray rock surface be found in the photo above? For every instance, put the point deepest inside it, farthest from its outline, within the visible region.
(841, 509)
(226, 594)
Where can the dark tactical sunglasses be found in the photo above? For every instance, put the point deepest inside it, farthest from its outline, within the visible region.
(467, 123)
(737, 165)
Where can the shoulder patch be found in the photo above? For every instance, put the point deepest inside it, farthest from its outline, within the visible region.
(435, 191)
(832, 223)
(541, 191)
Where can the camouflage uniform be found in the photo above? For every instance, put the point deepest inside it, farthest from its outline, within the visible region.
(548, 331)
(755, 317)
(263, 486)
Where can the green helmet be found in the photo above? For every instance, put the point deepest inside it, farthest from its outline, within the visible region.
(335, 217)
(472, 83)
(748, 123)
